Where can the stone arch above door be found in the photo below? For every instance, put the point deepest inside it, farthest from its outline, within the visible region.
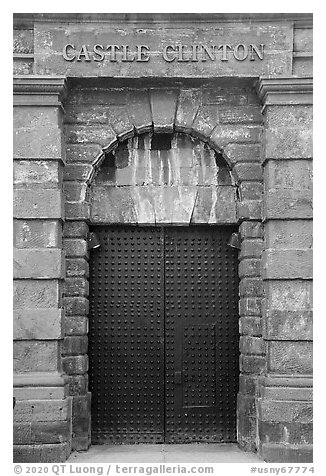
(163, 179)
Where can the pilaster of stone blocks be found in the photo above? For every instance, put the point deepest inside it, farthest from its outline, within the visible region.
(285, 389)
(75, 346)
(42, 414)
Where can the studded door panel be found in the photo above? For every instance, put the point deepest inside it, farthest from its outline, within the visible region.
(163, 335)
(126, 348)
(201, 322)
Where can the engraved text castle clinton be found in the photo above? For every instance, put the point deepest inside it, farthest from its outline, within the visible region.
(170, 52)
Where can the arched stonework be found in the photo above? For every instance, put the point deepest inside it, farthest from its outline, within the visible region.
(228, 118)
(163, 179)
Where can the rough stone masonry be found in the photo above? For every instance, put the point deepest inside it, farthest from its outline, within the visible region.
(72, 109)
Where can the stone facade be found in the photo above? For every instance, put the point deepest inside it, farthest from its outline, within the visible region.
(66, 125)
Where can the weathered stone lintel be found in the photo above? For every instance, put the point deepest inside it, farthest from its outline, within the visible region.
(160, 205)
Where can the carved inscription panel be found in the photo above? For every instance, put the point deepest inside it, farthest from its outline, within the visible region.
(192, 50)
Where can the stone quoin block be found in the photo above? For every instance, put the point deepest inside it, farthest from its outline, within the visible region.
(37, 133)
(288, 325)
(38, 324)
(75, 345)
(37, 234)
(247, 432)
(42, 432)
(75, 191)
(252, 364)
(248, 384)
(289, 116)
(42, 453)
(76, 306)
(36, 356)
(76, 210)
(77, 267)
(274, 453)
(288, 204)
(78, 384)
(75, 325)
(287, 264)
(251, 190)
(76, 287)
(251, 229)
(289, 234)
(288, 295)
(249, 267)
(39, 263)
(284, 411)
(249, 210)
(74, 365)
(77, 172)
(38, 203)
(288, 174)
(81, 415)
(251, 249)
(287, 357)
(75, 229)
(38, 172)
(248, 171)
(37, 294)
(75, 247)
(293, 433)
(251, 287)
(42, 410)
(250, 345)
(288, 143)
(250, 325)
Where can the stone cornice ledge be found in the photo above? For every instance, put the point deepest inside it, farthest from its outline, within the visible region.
(273, 90)
(40, 379)
(35, 90)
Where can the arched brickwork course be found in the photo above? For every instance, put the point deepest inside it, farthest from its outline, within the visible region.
(96, 122)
